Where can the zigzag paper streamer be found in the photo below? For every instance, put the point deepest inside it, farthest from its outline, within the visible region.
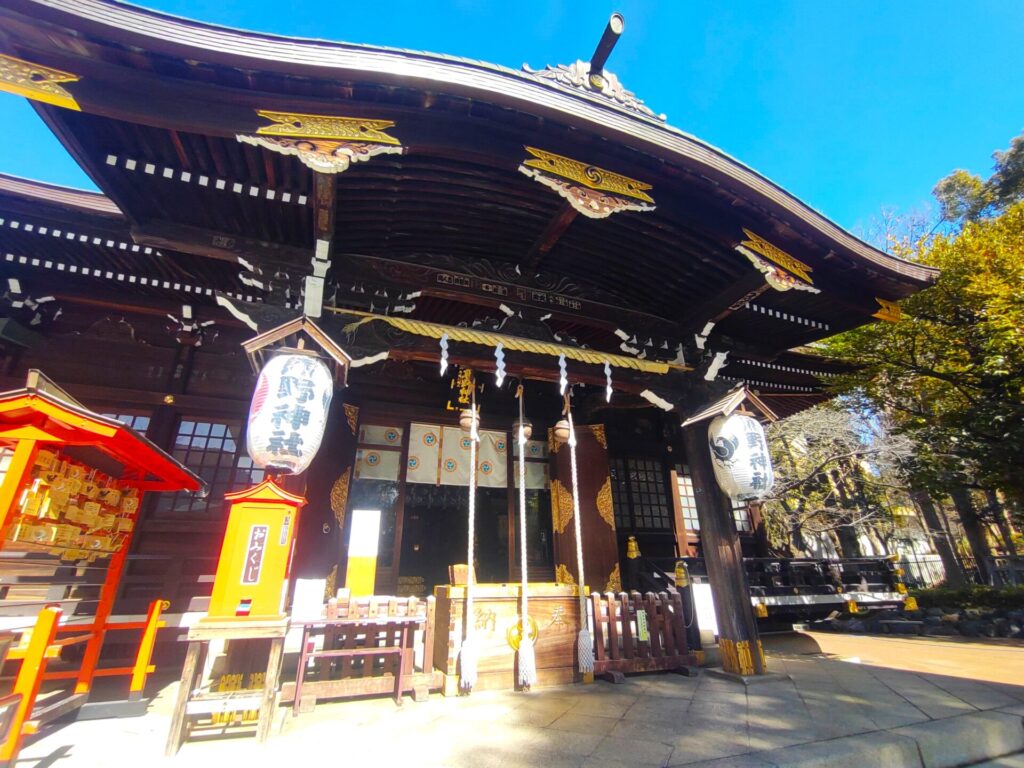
(608, 380)
(563, 379)
(499, 372)
(444, 353)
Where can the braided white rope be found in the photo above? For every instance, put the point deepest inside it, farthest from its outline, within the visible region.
(467, 655)
(527, 659)
(584, 642)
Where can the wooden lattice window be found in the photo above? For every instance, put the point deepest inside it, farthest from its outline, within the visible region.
(640, 494)
(214, 451)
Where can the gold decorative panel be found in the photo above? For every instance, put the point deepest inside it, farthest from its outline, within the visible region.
(561, 506)
(777, 256)
(339, 496)
(351, 416)
(592, 191)
(604, 503)
(304, 126)
(324, 143)
(37, 82)
(614, 581)
(563, 575)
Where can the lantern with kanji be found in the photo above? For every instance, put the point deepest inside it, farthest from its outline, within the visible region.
(288, 412)
(739, 454)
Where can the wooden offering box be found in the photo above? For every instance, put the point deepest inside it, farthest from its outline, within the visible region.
(554, 608)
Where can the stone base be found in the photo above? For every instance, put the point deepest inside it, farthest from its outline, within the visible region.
(767, 677)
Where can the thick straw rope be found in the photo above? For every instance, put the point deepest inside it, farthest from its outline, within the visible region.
(467, 655)
(527, 660)
(584, 642)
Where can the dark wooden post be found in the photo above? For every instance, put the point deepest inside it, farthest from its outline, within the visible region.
(737, 629)
(761, 546)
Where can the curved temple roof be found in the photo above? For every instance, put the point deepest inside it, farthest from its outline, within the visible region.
(204, 43)
(192, 131)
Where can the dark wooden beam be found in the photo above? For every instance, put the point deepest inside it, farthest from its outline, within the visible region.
(549, 237)
(717, 307)
(444, 283)
(224, 246)
(152, 308)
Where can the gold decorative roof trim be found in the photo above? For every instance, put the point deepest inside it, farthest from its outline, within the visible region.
(510, 343)
(322, 155)
(778, 256)
(890, 311)
(298, 125)
(36, 82)
(588, 175)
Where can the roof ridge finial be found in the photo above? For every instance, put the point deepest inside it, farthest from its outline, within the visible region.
(592, 78)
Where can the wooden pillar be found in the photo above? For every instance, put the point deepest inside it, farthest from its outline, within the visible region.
(597, 516)
(761, 546)
(318, 540)
(737, 629)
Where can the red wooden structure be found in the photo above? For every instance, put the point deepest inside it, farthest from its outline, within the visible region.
(70, 498)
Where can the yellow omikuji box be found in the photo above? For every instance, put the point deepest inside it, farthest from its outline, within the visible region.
(255, 558)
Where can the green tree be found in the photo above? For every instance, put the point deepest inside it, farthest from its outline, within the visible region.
(965, 196)
(951, 373)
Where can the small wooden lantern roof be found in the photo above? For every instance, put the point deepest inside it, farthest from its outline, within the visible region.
(292, 336)
(729, 402)
(266, 491)
(43, 411)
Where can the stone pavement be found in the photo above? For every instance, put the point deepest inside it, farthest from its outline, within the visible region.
(826, 713)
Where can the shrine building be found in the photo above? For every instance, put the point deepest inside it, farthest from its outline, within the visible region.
(450, 230)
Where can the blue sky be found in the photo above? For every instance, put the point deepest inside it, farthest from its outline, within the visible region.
(851, 106)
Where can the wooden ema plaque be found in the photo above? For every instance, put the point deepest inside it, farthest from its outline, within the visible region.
(255, 557)
(553, 607)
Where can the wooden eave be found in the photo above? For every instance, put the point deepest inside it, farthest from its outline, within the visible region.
(34, 412)
(206, 63)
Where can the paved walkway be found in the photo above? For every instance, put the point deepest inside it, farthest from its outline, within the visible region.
(828, 712)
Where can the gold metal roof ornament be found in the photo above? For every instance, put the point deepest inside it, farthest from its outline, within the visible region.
(890, 311)
(324, 143)
(36, 82)
(592, 191)
(782, 271)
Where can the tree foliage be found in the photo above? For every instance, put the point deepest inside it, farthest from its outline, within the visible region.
(951, 373)
(965, 196)
(839, 473)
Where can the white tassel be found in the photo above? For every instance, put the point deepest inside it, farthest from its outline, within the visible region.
(585, 650)
(467, 665)
(527, 662)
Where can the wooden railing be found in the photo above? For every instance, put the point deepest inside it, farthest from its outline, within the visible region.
(40, 644)
(639, 633)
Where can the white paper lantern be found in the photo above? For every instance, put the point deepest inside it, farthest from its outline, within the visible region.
(288, 413)
(739, 454)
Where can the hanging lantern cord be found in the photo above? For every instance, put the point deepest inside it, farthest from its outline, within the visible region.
(584, 642)
(467, 655)
(527, 658)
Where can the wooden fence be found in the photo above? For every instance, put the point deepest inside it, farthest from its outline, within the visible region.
(327, 677)
(639, 633)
